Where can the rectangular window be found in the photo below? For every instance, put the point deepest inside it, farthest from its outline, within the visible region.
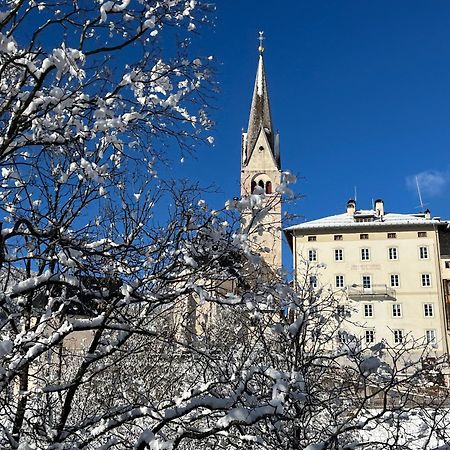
(392, 235)
(426, 280)
(338, 254)
(367, 281)
(422, 234)
(365, 254)
(338, 237)
(430, 336)
(368, 310)
(393, 253)
(364, 236)
(312, 255)
(395, 280)
(339, 281)
(428, 310)
(369, 336)
(341, 311)
(423, 252)
(312, 238)
(313, 281)
(447, 264)
(343, 337)
(396, 310)
(398, 336)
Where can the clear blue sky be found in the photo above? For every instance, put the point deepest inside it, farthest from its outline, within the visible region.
(360, 92)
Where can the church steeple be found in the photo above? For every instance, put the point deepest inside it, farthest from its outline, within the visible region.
(261, 167)
(260, 116)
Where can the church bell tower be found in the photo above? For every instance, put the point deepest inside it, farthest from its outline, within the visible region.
(261, 171)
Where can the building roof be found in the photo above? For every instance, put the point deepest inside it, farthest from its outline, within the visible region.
(260, 116)
(346, 220)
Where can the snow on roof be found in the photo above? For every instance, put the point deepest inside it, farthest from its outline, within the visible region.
(348, 221)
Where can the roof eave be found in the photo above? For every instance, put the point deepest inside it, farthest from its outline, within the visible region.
(363, 226)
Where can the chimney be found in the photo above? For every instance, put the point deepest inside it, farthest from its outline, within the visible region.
(351, 207)
(427, 214)
(379, 207)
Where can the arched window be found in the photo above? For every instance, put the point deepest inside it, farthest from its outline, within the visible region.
(269, 187)
(261, 183)
(253, 186)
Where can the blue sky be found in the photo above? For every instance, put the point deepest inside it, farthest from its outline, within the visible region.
(360, 92)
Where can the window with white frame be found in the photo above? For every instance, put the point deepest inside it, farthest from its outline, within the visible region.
(367, 281)
(338, 237)
(338, 254)
(313, 281)
(428, 310)
(392, 235)
(398, 336)
(426, 280)
(312, 255)
(396, 310)
(312, 238)
(393, 253)
(339, 281)
(395, 280)
(368, 310)
(369, 336)
(341, 311)
(423, 252)
(365, 254)
(430, 336)
(344, 337)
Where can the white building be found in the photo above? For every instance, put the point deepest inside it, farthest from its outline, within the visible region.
(392, 268)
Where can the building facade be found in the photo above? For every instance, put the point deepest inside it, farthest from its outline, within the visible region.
(393, 269)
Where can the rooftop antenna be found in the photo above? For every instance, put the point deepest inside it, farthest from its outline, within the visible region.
(355, 194)
(418, 192)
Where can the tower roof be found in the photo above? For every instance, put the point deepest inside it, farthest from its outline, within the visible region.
(260, 115)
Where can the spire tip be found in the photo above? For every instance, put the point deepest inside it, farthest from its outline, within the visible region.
(261, 39)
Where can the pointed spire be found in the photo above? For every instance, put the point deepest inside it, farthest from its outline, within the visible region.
(260, 115)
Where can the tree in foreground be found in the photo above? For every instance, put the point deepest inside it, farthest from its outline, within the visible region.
(124, 327)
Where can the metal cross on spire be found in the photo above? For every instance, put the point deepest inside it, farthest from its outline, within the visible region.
(261, 39)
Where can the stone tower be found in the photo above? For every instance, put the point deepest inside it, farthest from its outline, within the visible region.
(260, 167)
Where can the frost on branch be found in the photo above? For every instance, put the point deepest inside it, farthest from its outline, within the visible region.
(91, 75)
(287, 178)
